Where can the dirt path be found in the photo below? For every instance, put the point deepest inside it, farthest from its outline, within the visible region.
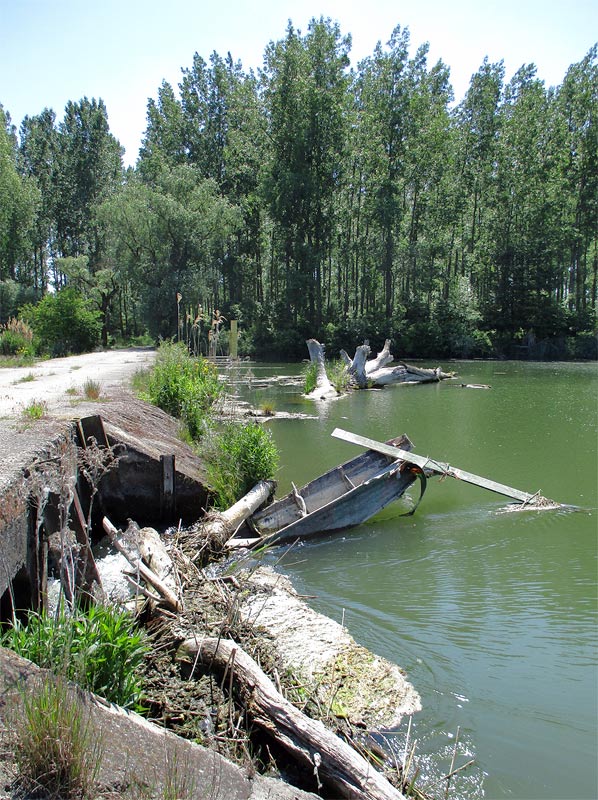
(54, 381)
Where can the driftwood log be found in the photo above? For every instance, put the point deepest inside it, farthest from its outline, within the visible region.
(324, 389)
(366, 373)
(383, 358)
(170, 598)
(219, 526)
(332, 761)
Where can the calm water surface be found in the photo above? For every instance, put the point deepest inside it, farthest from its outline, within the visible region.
(493, 616)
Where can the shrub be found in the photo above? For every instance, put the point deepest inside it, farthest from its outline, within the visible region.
(16, 338)
(55, 748)
(185, 387)
(239, 455)
(64, 323)
(100, 649)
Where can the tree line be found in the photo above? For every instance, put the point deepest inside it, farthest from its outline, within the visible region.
(315, 199)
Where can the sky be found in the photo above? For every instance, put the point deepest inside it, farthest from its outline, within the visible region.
(53, 51)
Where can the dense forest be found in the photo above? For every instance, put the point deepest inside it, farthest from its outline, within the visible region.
(317, 199)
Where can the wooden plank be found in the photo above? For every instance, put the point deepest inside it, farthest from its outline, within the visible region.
(430, 464)
(167, 486)
(92, 428)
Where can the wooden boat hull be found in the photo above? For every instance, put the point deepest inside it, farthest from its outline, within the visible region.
(341, 498)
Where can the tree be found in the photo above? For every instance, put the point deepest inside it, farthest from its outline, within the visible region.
(19, 199)
(304, 83)
(90, 170)
(170, 237)
(38, 159)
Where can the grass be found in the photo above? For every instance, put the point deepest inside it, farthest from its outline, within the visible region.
(101, 649)
(310, 375)
(36, 409)
(56, 751)
(22, 360)
(335, 370)
(338, 375)
(268, 408)
(26, 378)
(92, 389)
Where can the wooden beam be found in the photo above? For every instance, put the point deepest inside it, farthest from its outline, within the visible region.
(437, 467)
(167, 487)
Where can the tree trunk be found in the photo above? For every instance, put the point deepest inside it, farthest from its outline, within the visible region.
(324, 389)
(314, 747)
(358, 365)
(217, 529)
(383, 358)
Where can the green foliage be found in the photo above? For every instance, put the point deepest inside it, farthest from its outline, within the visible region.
(101, 649)
(239, 455)
(36, 409)
(16, 338)
(64, 323)
(185, 387)
(56, 750)
(310, 374)
(338, 375)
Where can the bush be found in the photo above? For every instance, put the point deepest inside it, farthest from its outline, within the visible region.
(185, 387)
(100, 649)
(16, 338)
(239, 455)
(64, 323)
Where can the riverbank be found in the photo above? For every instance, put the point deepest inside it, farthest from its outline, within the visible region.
(351, 689)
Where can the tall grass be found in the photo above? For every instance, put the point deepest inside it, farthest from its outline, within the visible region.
(55, 748)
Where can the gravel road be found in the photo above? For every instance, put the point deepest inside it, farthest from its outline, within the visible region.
(54, 381)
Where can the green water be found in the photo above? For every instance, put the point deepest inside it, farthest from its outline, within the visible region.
(493, 616)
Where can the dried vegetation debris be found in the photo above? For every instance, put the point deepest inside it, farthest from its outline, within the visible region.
(347, 687)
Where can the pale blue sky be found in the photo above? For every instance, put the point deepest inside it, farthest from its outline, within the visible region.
(53, 51)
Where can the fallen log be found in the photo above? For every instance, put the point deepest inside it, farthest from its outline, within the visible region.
(313, 746)
(424, 374)
(219, 526)
(149, 576)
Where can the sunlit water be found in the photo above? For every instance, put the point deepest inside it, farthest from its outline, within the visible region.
(493, 616)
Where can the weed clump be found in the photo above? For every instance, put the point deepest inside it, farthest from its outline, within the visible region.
(239, 455)
(101, 649)
(92, 389)
(184, 387)
(36, 409)
(56, 752)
